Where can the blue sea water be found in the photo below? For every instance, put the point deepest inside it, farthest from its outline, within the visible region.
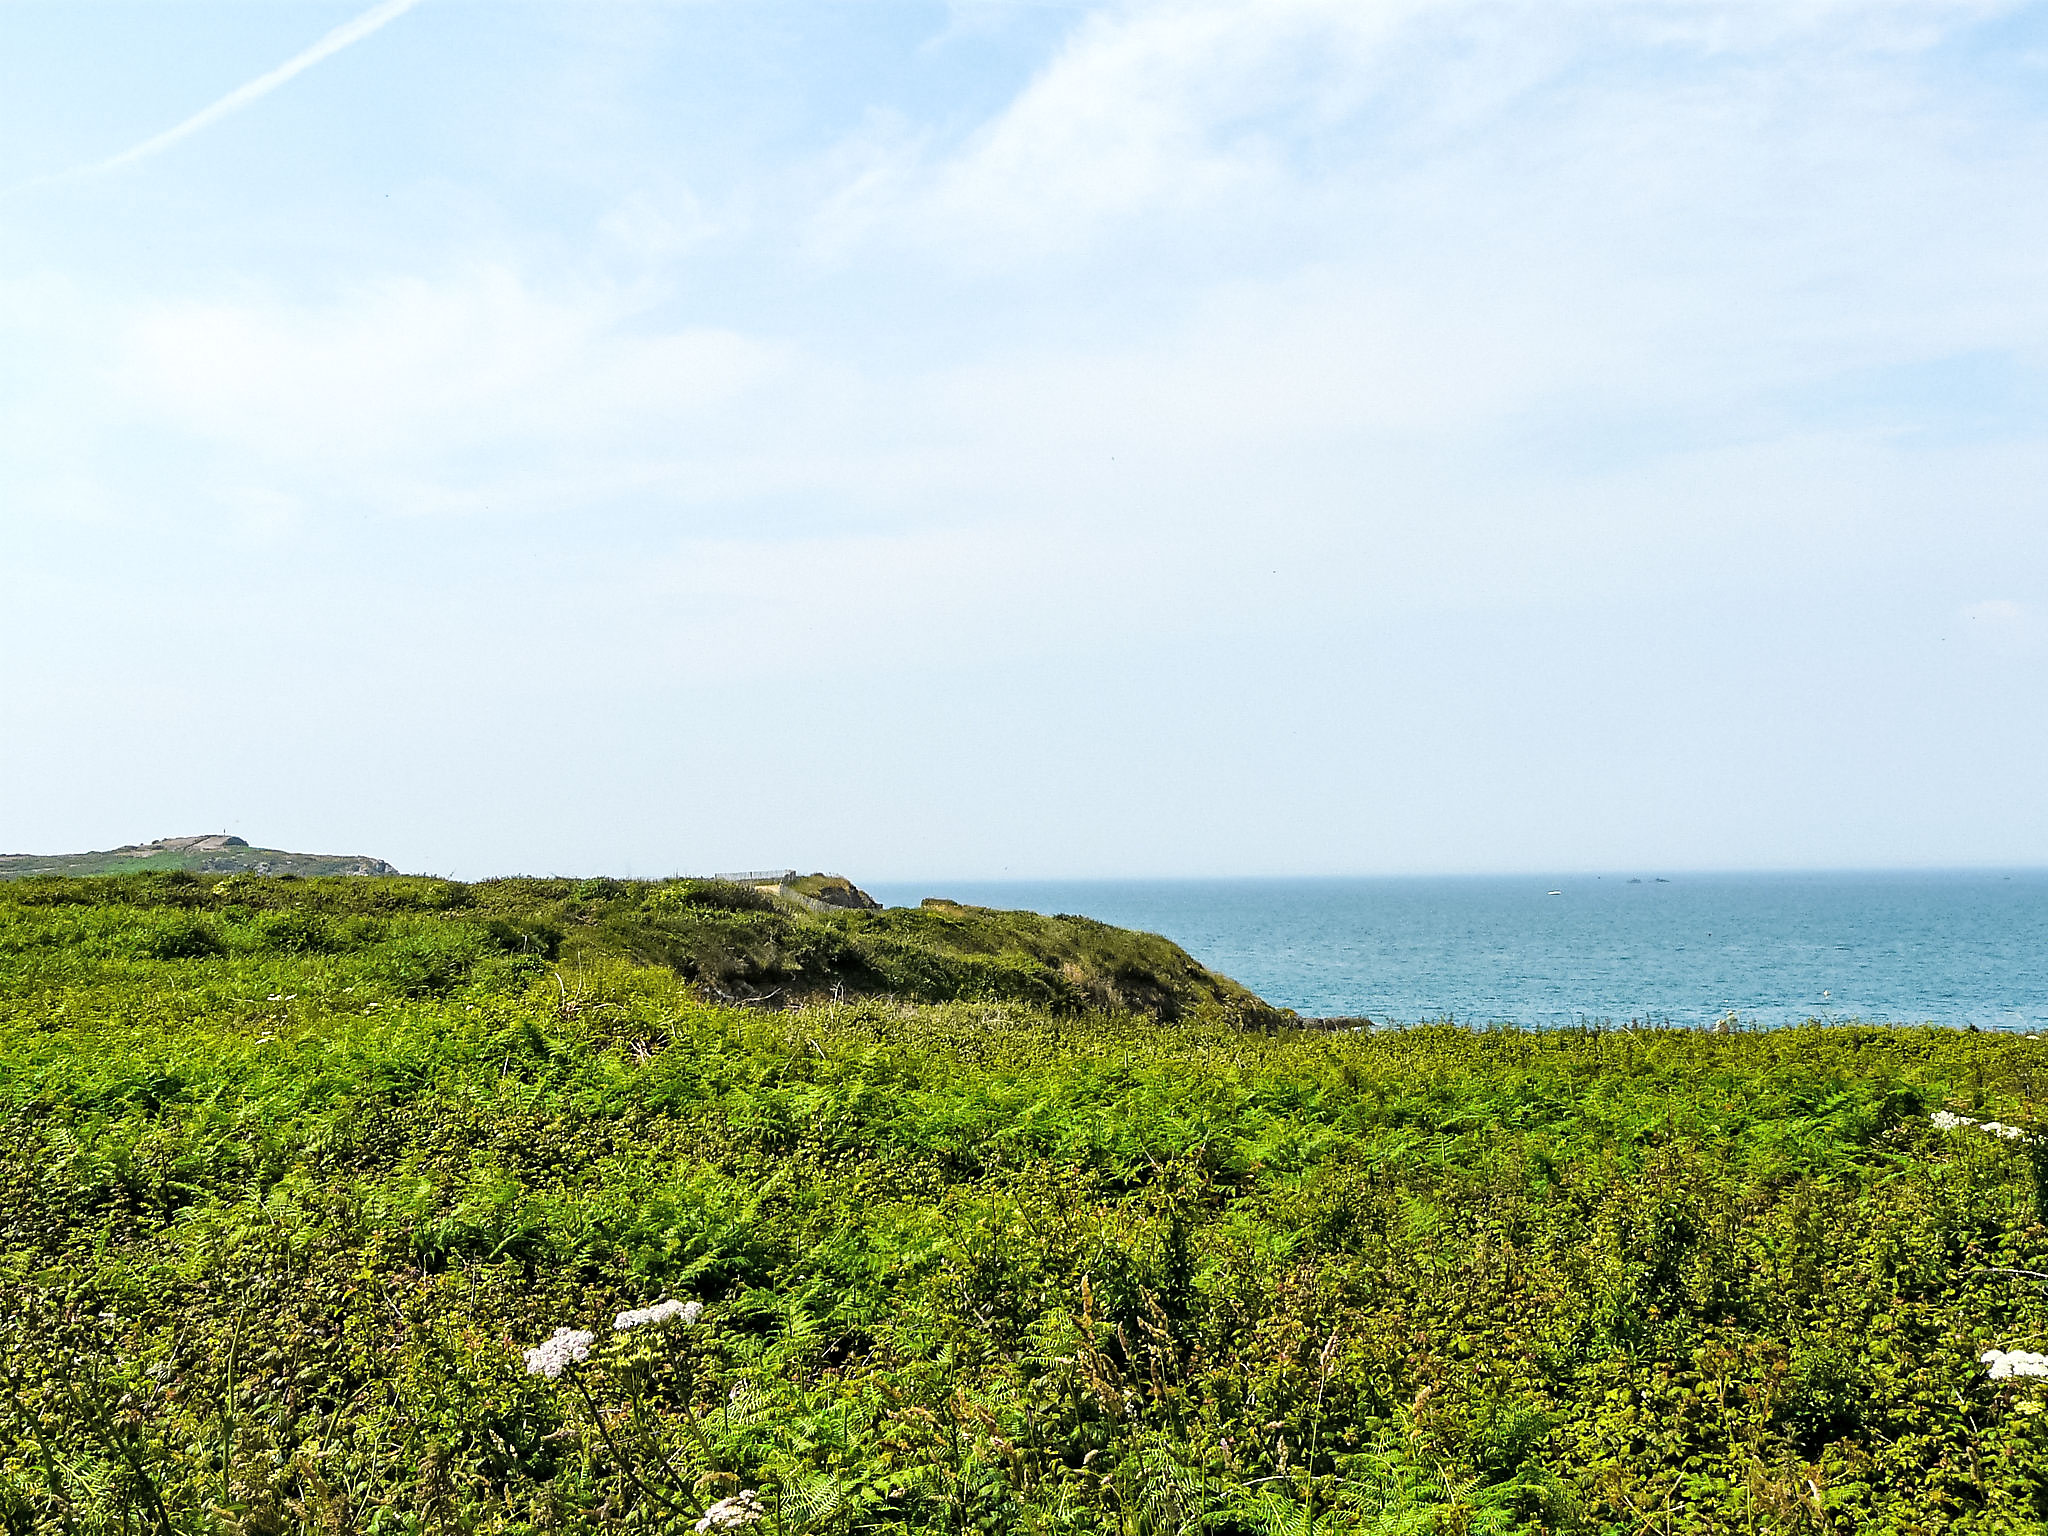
(1947, 948)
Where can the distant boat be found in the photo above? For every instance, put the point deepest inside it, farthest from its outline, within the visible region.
(1553, 893)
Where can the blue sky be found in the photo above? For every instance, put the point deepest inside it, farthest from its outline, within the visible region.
(1047, 440)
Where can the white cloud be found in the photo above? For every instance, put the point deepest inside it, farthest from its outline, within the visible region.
(1296, 332)
(1477, 219)
(449, 393)
(1224, 115)
(1146, 110)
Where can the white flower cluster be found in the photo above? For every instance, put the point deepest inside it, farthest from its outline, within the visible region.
(562, 1350)
(660, 1312)
(1942, 1120)
(2002, 1363)
(743, 1508)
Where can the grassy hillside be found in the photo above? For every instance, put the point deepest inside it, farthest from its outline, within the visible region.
(216, 855)
(733, 942)
(293, 1174)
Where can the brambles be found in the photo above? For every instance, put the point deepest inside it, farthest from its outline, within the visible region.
(282, 1217)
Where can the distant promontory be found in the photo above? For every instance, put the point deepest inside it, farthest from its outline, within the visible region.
(216, 853)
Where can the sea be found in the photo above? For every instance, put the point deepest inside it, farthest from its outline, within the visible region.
(1953, 948)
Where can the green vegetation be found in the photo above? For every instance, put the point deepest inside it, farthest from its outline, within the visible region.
(215, 854)
(830, 890)
(294, 1172)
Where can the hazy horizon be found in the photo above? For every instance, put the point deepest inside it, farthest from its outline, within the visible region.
(900, 882)
(1296, 438)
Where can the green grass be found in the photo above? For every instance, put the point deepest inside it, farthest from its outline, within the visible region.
(291, 1173)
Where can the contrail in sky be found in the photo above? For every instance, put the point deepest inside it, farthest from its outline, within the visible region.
(348, 32)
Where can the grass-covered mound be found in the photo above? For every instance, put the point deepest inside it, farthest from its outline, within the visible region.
(288, 1189)
(735, 943)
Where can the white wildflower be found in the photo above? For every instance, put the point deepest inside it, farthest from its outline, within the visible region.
(562, 1350)
(660, 1312)
(743, 1508)
(1942, 1120)
(2003, 1363)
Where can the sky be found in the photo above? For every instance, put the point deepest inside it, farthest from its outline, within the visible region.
(987, 439)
